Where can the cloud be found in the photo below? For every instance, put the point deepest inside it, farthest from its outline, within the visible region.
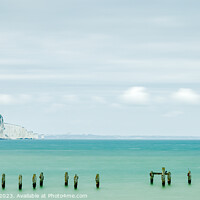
(160, 99)
(70, 98)
(41, 76)
(16, 62)
(44, 98)
(16, 99)
(55, 107)
(8, 99)
(170, 64)
(186, 95)
(115, 105)
(99, 99)
(136, 95)
(173, 114)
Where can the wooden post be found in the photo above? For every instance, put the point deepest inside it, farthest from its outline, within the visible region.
(34, 179)
(3, 181)
(97, 181)
(163, 176)
(75, 181)
(169, 178)
(20, 182)
(41, 179)
(189, 177)
(66, 178)
(151, 177)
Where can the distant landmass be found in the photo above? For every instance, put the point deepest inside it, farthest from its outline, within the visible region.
(11, 131)
(118, 137)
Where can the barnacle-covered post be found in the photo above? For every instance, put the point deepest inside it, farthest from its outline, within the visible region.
(163, 176)
(97, 179)
(151, 177)
(189, 177)
(34, 179)
(66, 178)
(169, 178)
(75, 181)
(3, 181)
(41, 179)
(20, 182)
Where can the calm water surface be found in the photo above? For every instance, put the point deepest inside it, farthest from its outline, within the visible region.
(123, 166)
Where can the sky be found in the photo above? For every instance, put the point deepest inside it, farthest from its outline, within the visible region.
(103, 67)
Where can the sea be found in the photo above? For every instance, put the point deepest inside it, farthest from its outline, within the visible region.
(123, 166)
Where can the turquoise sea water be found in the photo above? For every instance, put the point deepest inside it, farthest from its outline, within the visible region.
(123, 166)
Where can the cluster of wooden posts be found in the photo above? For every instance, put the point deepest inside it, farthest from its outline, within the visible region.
(163, 173)
(34, 180)
(97, 180)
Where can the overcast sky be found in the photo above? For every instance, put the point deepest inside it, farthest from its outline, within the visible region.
(106, 67)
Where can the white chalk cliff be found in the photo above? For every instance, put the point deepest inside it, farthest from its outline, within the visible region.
(11, 131)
